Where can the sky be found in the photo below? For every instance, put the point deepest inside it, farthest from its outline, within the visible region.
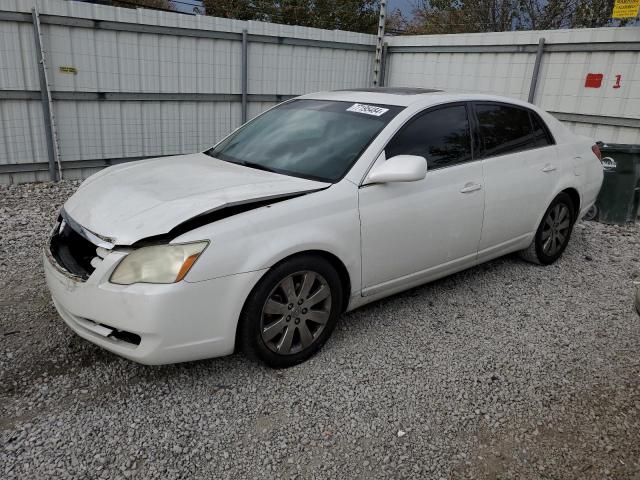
(405, 6)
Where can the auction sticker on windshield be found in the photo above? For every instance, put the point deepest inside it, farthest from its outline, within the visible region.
(367, 109)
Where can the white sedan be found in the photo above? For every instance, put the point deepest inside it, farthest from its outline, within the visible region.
(318, 206)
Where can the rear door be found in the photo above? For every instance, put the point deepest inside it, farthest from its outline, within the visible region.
(520, 173)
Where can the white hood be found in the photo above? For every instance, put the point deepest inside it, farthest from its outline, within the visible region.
(129, 202)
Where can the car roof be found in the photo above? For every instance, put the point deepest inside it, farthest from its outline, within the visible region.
(406, 96)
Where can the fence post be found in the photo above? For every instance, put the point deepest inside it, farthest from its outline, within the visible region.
(536, 70)
(383, 64)
(377, 63)
(244, 74)
(55, 174)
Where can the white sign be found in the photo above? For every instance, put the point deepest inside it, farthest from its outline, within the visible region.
(367, 109)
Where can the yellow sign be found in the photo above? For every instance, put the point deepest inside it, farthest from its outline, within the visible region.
(625, 9)
(72, 70)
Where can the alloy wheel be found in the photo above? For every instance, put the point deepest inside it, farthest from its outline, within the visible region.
(295, 312)
(556, 229)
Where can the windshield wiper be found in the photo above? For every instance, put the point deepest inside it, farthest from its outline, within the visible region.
(257, 166)
(244, 163)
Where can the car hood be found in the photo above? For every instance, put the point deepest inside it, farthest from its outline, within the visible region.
(129, 202)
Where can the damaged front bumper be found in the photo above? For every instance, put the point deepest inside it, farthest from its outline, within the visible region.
(150, 323)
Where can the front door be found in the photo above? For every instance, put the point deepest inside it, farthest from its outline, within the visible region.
(415, 231)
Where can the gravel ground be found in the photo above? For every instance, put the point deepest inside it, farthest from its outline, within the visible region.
(507, 370)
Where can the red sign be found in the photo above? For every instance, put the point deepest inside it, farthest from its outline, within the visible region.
(594, 80)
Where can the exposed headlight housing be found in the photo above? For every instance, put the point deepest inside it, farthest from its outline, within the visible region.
(158, 263)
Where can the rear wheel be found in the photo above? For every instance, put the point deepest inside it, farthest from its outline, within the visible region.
(553, 233)
(292, 311)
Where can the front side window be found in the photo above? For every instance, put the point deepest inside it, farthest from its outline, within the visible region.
(316, 139)
(441, 136)
(504, 129)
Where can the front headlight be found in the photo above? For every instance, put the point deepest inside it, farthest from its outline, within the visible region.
(157, 264)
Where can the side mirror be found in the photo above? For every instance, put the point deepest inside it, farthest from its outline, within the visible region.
(401, 168)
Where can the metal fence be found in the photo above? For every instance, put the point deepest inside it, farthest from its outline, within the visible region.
(83, 86)
(587, 78)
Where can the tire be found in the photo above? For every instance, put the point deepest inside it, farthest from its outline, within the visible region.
(553, 233)
(288, 316)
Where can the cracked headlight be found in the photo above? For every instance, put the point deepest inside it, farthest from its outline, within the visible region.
(157, 263)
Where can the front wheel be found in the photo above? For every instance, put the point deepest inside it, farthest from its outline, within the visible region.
(553, 233)
(292, 311)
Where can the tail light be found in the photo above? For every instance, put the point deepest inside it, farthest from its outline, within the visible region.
(596, 151)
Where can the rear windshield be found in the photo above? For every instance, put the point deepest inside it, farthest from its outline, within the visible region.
(316, 139)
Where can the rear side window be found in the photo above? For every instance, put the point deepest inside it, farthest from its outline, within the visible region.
(541, 135)
(442, 136)
(504, 129)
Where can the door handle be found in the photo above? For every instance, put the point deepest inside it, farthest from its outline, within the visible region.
(548, 168)
(470, 187)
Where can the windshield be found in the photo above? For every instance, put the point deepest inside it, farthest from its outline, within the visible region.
(317, 139)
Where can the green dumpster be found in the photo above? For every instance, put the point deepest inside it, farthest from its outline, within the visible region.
(619, 197)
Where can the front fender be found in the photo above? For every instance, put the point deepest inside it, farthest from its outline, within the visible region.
(326, 220)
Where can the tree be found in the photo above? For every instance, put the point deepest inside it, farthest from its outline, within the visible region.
(491, 15)
(552, 14)
(395, 23)
(352, 15)
(543, 14)
(239, 9)
(462, 16)
(595, 13)
(152, 4)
